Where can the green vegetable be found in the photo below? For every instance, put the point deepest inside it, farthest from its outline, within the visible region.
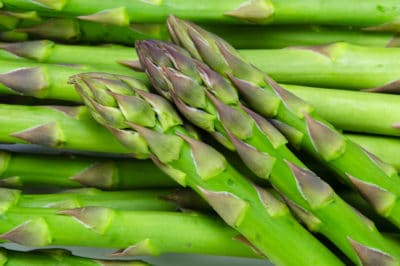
(45, 80)
(137, 200)
(134, 232)
(377, 181)
(32, 170)
(53, 257)
(376, 15)
(212, 103)
(141, 119)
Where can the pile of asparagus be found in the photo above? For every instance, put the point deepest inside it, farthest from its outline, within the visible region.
(285, 150)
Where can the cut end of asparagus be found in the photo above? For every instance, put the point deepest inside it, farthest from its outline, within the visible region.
(254, 11)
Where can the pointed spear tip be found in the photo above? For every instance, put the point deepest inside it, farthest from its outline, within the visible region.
(134, 64)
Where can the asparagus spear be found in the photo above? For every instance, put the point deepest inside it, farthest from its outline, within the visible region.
(377, 181)
(337, 65)
(256, 214)
(73, 128)
(240, 36)
(45, 80)
(137, 200)
(32, 170)
(212, 103)
(54, 257)
(133, 232)
(376, 15)
(56, 126)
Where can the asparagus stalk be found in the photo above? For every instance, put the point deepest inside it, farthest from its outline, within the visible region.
(138, 200)
(45, 80)
(32, 170)
(132, 232)
(212, 103)
(337, 65)
(57, 127)
(240, 36)
(73, 128)
(375, 113)
(252, 211)
(376, 15)
(55, 257)
(377, 181)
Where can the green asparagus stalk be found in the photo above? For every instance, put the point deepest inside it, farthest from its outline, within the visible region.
(56, 126)
(32, 170)
(45, 80)
(252, 211)
(53, 257)
(385, 148)
(131, 232)
(11, 20)
(376, 15)
(212, 103)
(363, 112)
(377, 181)
(337, 65)
(240, 36)
(73, 128)
(137, 200)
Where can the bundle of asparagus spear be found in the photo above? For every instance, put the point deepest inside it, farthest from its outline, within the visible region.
(136, 128)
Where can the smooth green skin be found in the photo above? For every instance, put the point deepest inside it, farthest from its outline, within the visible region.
(191, 232)
(33, 170)
(240, 36)
(79, 132)
(280, 36)
(353, 111)
(350, 160)
(374, 113)
(331, 213)
(138, 200)
(57, 78)
(285, 12)
(54, 258)
(251, 217)
(338, 65)
(385, 148)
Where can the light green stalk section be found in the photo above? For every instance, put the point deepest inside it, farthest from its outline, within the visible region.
(137, 200)
(337, 65)
(32, 170)
(381, 15)
(45, 80)
(385, 148)
(209, 101)
(377, 181)
(57, 127)
(74, 128)
(363, 112)
(240, 36)
(259, 216)
(51, 257)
